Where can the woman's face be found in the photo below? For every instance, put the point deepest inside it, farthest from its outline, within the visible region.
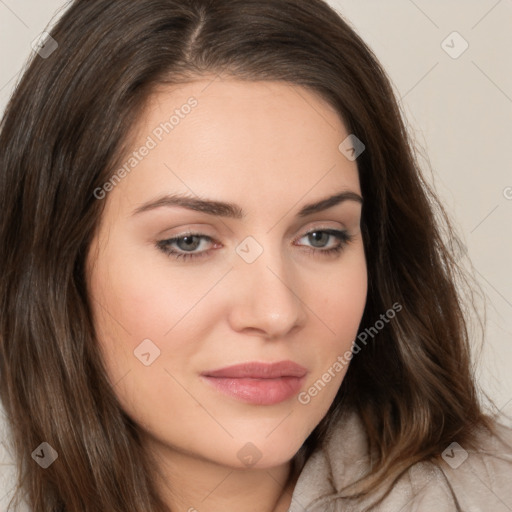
(241, 283)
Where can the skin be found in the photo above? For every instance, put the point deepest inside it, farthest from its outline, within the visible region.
(271, 148)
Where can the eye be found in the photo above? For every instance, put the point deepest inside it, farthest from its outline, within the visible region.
(186, 245)
(319, 236)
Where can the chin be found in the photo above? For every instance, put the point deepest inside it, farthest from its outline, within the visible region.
(266, 454)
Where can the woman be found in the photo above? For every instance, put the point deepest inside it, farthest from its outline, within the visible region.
(216, 254)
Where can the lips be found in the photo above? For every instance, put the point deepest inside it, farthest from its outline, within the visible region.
(258, 383)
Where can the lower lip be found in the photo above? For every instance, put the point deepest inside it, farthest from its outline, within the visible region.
(258, 391)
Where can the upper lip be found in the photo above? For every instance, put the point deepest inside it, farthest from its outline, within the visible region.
(257, 370)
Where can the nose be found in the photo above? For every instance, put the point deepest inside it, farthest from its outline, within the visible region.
(265, 297)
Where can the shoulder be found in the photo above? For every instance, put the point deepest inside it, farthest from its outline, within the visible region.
(465, 479)
(471, 480)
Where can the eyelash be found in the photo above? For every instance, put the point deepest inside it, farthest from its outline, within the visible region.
(343, 236)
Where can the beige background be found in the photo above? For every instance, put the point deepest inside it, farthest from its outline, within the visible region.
(459, 109)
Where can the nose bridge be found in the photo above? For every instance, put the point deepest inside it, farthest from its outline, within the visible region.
(266, 289)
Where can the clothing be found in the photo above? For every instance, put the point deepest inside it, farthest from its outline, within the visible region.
(482, 482)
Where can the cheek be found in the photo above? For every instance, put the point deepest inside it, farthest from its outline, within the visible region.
(344, 297)
(149, 312)
(141, 291)
(145, 336)
(340, 307)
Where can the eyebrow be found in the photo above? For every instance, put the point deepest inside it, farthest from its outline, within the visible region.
(231, 210)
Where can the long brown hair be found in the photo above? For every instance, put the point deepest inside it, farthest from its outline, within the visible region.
(63, 134)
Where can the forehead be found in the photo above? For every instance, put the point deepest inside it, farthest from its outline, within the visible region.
(261, 140)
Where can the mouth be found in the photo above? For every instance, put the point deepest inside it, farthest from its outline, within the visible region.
(258, 383)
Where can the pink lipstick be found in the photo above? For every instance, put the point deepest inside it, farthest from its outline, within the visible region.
(258, 383)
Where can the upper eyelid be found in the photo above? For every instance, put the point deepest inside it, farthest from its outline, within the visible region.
(198, 232)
